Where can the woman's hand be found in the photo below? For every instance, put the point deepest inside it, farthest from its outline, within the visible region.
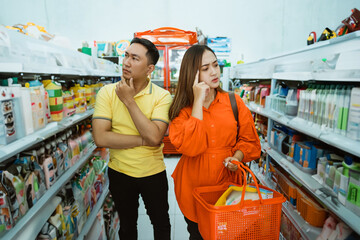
(201, 90)
(231, 166)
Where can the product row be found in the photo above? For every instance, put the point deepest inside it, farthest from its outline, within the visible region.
(26, 109)
(79, 198)
(338, 171)
(302, 216)
(26, 177)
(331, 108)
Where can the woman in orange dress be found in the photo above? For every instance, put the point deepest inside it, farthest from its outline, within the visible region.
(203, 129)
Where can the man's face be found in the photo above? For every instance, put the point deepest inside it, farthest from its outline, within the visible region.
(135, 62)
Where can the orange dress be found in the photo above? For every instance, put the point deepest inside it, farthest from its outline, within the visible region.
(204, 144)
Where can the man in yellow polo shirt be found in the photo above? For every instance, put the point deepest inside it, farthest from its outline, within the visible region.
(131, 118)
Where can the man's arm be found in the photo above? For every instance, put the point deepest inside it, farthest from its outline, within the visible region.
(151, 131)
(104, 137)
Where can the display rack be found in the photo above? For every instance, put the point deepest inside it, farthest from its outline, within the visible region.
(21, 54)
(300, 125)
(91, 218)
(29, 226)
(24, 54)
(313, 187)
(334, 60)
(9, 150)
(307, 231)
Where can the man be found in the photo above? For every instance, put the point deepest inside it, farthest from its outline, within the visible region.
(131, 118)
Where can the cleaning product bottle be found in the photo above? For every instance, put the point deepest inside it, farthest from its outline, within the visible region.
(345, 110)
(322, 121)
(319, 96)
(55, 99)
(339, 109)
(37, 95)
(314, 108)
(348, 164)
(353, 131)
(329, 102)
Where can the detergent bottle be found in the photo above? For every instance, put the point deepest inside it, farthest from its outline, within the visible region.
(55, 99)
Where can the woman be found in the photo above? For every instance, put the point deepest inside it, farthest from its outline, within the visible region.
(204, 130)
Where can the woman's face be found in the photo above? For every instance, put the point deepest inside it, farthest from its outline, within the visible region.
(209, 71)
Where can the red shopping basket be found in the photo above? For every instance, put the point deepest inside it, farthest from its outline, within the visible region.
(259, 219)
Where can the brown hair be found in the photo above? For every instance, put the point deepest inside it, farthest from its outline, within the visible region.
(190, 64)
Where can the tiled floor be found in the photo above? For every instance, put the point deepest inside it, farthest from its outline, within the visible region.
(178, 225)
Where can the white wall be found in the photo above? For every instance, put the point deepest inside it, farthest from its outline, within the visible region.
(258, 28)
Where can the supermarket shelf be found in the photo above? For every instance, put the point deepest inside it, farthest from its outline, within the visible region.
(281, 237)
(32, 228)
(333, 139)
(328, 76)
(280, 118)
(307, 63)
(300, 125)
(25, 54)
(306, 230)
(91, 218)
(313, 186)
(30, 225)
(263, 180)
(9, 150)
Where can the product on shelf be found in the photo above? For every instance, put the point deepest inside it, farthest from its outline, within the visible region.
(287, 187)
(311, 211)
(288, 228)
(80, 99)
(11, 115)
(54, 91)
(353, 130)
(38, 104)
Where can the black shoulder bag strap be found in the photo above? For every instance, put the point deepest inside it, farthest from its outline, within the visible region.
(235, 110)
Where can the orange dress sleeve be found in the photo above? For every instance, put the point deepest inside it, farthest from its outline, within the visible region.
(248, 140)
(188, 134)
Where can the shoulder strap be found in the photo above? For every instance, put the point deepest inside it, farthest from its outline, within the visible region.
(234, 106)
(235, 111)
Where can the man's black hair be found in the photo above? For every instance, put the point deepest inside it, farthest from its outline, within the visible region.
(152, 52)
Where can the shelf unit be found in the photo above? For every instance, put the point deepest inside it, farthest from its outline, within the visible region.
(21, 54)
(24, 54)
(307, 231)
(313, 187)
(9, 150)
(334, 60)
(300, 125)
(91, 218)
(31, 223)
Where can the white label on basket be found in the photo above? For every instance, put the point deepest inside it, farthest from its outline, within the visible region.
(222, 227)
(250, 211)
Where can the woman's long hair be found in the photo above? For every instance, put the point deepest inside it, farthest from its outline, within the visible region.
(190, 64)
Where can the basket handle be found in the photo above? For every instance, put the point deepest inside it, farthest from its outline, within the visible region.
(241, 180)
(243, 167)
(168, 29)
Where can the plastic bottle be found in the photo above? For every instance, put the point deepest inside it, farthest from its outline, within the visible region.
(348, 164)
(345, 110)
(329, 105)
(55, 99)
(339, 108)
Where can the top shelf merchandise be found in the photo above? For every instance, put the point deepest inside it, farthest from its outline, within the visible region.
(332, 60)
(23, 54)
(307, 87)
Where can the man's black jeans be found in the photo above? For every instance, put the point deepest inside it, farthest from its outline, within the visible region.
(125, 191)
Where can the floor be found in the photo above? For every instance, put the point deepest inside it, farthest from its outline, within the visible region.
(178, 225)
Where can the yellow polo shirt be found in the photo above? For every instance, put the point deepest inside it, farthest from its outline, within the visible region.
(154, 102)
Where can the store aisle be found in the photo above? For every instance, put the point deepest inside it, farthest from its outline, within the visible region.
(178, 225)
